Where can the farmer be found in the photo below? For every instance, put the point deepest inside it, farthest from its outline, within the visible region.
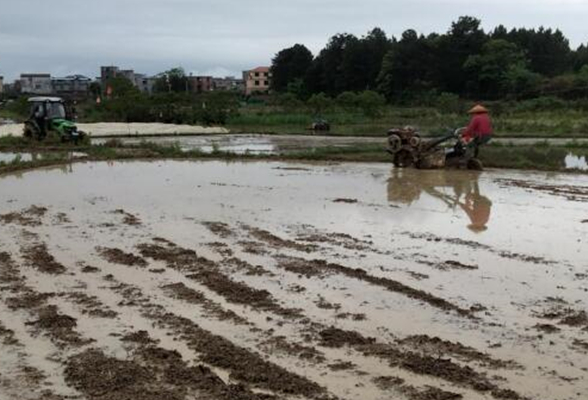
(479, 131)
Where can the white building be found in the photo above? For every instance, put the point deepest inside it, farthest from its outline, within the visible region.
(36, 84)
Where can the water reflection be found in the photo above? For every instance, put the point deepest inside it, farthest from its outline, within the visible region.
(576, 162)
(456, 189)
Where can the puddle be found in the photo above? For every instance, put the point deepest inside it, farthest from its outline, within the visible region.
(460, 236)
(576, 162)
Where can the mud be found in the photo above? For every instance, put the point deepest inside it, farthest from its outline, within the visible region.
(31, 216)
(244, 366)
(182, 292)
(317, 267)
(59, 327)
(207, 273)
(398, 385)
(277, 242)
(282, 293)
(417, 363)
(39, 258)
(337, 239)
(444, 348)
(117, 256)
(90, 305)
(219, 228)
(569, 192)
(128, 218)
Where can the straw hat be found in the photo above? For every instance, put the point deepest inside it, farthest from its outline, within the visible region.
(478, 109)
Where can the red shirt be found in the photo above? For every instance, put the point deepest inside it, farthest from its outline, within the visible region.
(479, 126)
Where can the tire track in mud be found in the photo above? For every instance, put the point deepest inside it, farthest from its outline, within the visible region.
(476, 245)
(416, 363)
(207, 273)
(44, 320)
(182, 258)
(243, 365)
(318, 268)
(149, 373)
(99, 376)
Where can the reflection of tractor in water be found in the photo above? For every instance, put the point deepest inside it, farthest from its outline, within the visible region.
(408, 149)
(456, 189)
(49, 115)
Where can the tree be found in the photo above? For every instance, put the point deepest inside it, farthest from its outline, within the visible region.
(548, 51)
(362, 61)
(464, 39)
(491, 68)
(521, 82)
(406, 68)
(324, 75)
(347, 100)
(120, 87)
(580, 58)
(290, 65)
(371, 103)
(174, 80)
(319, 103)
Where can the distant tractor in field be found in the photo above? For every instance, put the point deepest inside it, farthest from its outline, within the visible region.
(320, 125)
(49, 115)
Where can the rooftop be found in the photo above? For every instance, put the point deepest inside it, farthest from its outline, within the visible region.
(261, 69)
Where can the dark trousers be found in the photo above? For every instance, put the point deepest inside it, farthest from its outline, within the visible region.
(477, 142)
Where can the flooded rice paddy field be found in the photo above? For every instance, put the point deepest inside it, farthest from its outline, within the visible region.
(255, 280)
(283, 144)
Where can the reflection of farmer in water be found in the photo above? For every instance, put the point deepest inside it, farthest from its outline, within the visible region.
(406, 187)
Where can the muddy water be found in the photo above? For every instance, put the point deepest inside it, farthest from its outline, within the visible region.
(512, 245)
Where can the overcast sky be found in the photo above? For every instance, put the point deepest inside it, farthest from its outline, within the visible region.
(221, 37)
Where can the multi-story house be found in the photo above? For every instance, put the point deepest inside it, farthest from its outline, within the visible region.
(229, 83)
(200, 84)
(35, 84)
(74, 86)
(257, 80)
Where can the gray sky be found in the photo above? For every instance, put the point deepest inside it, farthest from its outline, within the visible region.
(221, 37)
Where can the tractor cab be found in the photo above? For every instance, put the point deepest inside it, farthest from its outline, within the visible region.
(50, 115)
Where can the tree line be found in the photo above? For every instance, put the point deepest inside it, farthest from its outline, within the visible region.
(465, 61)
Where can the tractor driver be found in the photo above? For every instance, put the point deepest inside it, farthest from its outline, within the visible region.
(479, 131)
(39, 117)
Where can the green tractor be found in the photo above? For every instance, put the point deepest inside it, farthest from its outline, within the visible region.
(49, 115)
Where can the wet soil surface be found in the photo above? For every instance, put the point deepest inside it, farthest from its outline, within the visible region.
(290, 281)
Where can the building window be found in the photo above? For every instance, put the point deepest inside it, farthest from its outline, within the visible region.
(256, 83)
(256, 74)
(265, 83)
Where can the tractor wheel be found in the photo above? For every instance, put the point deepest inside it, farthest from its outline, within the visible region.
(394, 143)
(31, 132)
(475, 165)
(415, 141)
(403, 159)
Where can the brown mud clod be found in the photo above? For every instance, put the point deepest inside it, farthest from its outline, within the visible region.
(39, 258)
(117, 256)
(31, 216)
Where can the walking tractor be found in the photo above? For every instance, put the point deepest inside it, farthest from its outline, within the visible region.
(408, 149)
(49, 115)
